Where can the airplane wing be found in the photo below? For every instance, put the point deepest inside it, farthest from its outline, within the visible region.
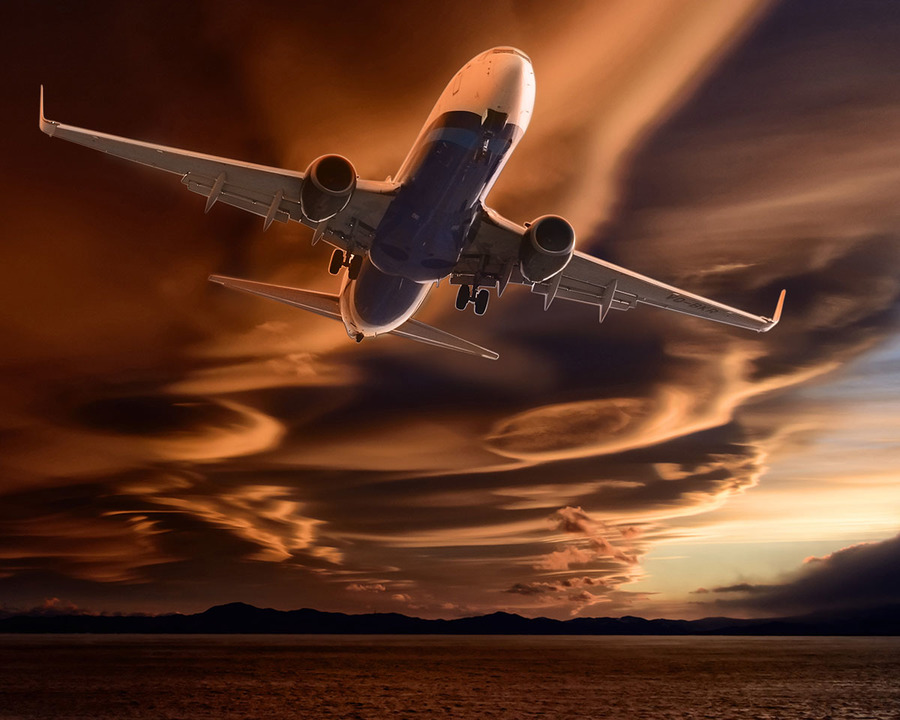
(272, 193)
(492, 256)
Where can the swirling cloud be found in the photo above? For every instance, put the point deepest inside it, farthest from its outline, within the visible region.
(155, 429)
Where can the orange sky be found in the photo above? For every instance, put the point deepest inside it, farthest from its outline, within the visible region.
(167, 445)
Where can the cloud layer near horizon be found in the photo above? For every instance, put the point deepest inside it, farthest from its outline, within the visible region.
(167, 442)
(859, 576)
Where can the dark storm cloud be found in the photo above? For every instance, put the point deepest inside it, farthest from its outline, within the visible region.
(160, 432)
(536, 588)
(742, 588)
(857, 577)
(543, 588)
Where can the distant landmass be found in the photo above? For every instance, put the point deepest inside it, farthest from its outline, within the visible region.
(240, 618)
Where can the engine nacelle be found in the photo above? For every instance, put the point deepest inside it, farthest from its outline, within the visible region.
(327, 186)
(547, 247)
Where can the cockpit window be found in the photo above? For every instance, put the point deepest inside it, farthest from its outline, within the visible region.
(511, 51)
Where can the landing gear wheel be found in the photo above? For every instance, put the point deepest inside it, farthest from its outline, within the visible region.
(463, 297)
(337, 262)
(359, 337)
(354, 267)
(481, 301)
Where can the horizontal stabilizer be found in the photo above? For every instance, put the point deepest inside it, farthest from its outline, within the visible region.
(329, 306)
(415, 330)
(319, 303)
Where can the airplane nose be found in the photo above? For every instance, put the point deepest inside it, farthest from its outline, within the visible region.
(508, 68)
(507, 64)
(509, 72)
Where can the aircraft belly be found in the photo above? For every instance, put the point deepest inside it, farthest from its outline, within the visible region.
(376, 302)
(424, 230)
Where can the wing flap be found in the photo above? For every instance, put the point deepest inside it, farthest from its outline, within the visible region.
(262, 178)
(272, 193)
(632, 288)
(266, 206)
(492, 256)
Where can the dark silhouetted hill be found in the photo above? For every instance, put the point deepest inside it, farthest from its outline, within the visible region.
(240, 618)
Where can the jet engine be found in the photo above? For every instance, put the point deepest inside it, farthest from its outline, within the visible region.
(327, 186)
(547, 247)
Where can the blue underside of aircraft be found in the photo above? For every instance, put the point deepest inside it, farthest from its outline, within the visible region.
(423, 232)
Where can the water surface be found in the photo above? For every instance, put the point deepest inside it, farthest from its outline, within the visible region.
(253, 676)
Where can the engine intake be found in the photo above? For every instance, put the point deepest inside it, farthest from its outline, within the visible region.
(547, 247)
(327, 186)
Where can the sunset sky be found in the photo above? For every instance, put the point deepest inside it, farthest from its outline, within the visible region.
(167, 445)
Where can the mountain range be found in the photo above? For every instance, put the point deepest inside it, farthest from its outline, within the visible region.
(239, 618)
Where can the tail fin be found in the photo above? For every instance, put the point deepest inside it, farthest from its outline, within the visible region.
(329, 306)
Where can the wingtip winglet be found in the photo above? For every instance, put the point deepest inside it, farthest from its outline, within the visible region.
(780, 305)
(47, 126)
(777, 316)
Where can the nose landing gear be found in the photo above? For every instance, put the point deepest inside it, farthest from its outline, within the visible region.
(478, 297)
(339, 259)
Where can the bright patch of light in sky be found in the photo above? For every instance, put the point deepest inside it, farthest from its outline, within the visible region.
(677, 569)
(835, 491)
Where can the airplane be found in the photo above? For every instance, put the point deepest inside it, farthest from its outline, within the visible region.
(398, 238)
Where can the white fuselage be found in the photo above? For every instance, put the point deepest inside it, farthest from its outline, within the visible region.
(476, 123)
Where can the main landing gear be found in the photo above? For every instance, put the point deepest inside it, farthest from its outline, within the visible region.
(339, 259)
(478, 297)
